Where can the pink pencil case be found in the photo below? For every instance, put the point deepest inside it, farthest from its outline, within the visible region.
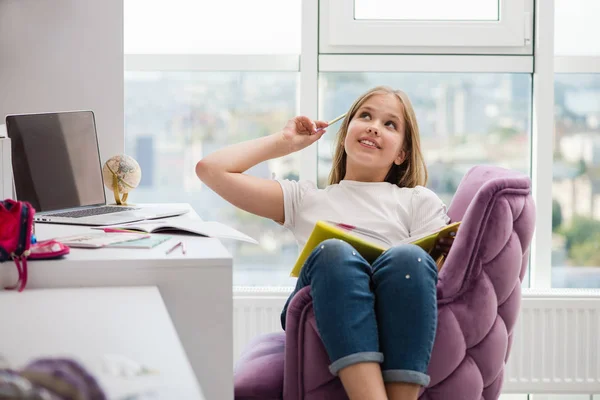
(47, 249)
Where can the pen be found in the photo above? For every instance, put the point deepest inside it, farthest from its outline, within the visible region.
(176, 246)
(333, 121)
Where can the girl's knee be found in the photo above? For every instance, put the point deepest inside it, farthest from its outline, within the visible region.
(334, 252)
(410, 260)
(333, 247)
(407, 253)
(334, 257)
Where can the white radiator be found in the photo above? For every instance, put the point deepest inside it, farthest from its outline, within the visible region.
(255, 311)
(556, 347)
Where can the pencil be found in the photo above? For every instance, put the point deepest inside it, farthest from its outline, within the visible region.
(333, 121)
(174, 247)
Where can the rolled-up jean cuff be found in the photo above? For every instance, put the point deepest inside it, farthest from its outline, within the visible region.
(406, 376)
(367, 356)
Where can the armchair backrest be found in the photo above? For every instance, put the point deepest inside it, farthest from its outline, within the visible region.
(479, 288)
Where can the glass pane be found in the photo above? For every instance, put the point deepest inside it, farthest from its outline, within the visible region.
(464, 120)
(576, 29)
(212, 27)
(424, 10)
(173, 119)
(576, 182)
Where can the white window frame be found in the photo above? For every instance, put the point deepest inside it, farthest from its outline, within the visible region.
(424, 63)
(540, 267)
(211, 62)
(340, 32)
(309, 81)
(577, 64)
(314, 59)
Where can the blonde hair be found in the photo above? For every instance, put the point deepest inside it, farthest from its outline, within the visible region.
(412, 171)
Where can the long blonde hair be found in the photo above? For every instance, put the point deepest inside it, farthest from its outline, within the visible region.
(412, 171)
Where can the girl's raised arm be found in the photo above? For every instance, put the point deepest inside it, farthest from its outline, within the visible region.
(223, 170)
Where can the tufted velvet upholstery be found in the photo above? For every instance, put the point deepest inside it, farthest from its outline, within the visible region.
(478, 302)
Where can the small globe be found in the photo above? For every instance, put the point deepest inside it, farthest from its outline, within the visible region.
(122, 172)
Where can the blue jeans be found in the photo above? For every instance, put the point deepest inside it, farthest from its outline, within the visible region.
(385, 312)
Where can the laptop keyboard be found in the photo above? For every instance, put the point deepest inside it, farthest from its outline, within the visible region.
(88, 212)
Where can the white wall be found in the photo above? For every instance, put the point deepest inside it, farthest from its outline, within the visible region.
(64, 55)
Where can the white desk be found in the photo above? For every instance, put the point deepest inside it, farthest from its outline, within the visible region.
(196, 288)
(111, 331)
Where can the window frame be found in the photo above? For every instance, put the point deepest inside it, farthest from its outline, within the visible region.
(540, 266)
(577, 64)
(211, 62)
(424, 63)
(341, 33)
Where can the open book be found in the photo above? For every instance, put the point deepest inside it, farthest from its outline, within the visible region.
(186, 225)
(368, 243)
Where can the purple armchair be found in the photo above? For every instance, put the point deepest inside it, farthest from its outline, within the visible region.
(479, 295)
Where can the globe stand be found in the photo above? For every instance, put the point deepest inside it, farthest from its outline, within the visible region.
(120, 200)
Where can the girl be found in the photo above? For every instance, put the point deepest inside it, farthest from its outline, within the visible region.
(376, 321)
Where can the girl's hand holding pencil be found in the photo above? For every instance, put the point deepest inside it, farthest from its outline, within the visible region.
(333, 121)
(301, 132)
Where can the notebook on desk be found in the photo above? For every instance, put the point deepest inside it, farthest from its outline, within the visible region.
(187, 226)
(56, 167)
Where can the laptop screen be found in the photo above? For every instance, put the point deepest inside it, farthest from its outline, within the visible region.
(55, 159)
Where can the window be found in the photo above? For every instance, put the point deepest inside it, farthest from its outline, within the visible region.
(199, 77)
(576, 139)
(478, 110)
(430, 26)
(464, 119)
(576, 181)
(210, 27)
(173, 119)
(427, 10)
(576, 28)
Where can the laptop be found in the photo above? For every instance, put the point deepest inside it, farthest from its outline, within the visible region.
(56, 167)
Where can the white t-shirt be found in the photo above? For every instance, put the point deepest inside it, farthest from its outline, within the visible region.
(396, 213)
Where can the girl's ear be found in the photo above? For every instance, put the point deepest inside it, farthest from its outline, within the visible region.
(401, 157)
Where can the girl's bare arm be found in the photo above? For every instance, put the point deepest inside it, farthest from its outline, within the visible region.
(223, 170)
